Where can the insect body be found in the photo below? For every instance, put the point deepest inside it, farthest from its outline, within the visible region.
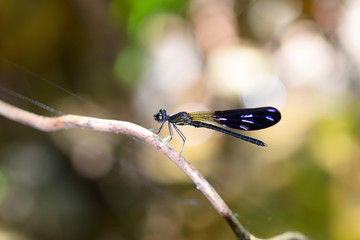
(243, 119)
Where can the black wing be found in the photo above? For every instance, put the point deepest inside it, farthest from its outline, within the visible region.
(248, 118)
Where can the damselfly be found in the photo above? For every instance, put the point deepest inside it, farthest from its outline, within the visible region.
(243, 119)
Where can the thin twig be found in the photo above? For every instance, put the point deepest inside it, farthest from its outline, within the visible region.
(49, 124)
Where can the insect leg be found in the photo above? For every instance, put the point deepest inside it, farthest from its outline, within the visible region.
(169, 138)
(157, 129)
(182, 137)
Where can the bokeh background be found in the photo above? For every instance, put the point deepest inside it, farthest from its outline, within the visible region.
(124, 59)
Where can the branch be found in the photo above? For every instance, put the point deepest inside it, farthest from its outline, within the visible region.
(49, 124)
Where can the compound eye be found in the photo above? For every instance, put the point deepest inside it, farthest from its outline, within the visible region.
(159, 117)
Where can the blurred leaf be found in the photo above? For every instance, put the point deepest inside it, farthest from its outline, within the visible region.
(129, 64)
(139, 11)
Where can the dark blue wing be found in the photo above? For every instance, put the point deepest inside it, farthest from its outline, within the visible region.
(248, 118)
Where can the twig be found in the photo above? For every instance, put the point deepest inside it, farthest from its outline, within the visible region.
(49, 124)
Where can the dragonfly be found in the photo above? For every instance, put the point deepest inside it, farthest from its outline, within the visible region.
(246, 119)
